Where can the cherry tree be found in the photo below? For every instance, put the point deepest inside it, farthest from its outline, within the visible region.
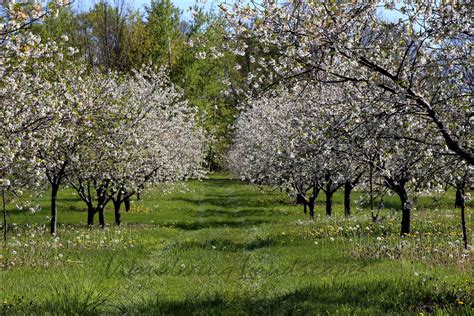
(403, 166)
(417, 52)
(296, 139)
(25, 66)
(164, 142)
(142, 133)
(322, 137)
(459, 175)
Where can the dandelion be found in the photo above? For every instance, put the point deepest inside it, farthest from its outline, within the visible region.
(332, 239)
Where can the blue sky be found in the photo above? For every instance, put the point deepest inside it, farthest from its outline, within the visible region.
(182, 4)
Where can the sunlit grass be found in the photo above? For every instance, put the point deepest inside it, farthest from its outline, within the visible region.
(221, 246)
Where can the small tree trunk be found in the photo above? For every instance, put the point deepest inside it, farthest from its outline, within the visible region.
(463, 217)
(126, 202)
(347, 198)
(406, 211)
(300, 199)
(311, 208)
(101, 217)
(459, 198)
(54, 210)
(4, 207)
(90, 214)
(329, 195)
(371, 190)
(118, 216)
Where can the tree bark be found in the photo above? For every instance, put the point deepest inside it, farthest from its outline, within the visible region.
(311, 208)
(312, 201)
(347, 198)
(101, 217)
(118, 215)
(406, 211)
(54, 210)
(329, 195)
(126, 202)
(459, 197)
(300, 199)
(4, 207)
(371, 189)
(463, 217)
(90, 214)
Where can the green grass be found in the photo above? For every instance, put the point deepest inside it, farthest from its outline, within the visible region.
(221, 246)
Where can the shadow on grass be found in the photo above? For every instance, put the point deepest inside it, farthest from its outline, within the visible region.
(46, 210)
(232, 202)
(374, 297)
(224, 182)
(368, 298)
(215, 224)
(233, 214)
(224, 245)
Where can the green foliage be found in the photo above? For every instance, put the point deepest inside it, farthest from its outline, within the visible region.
(162, 28)
(112, 36)
(221, 246)
(53, 27)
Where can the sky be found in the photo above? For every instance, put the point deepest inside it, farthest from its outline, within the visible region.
(182, 4)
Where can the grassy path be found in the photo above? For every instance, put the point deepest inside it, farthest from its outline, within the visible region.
(223, 247)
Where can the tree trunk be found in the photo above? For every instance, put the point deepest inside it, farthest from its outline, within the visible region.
(311, 208)
(126, 202)
(90, 214)
(312, 201)
(463, 217)
(406, 211)
(329, 195)
(347, 198)
(54, 210)
(101, 217)
(459, 197)
(118, 216)
(300, 199)
(4, 207)
(371, 190)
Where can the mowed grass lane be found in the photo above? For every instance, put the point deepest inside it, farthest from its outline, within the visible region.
(221, 246)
